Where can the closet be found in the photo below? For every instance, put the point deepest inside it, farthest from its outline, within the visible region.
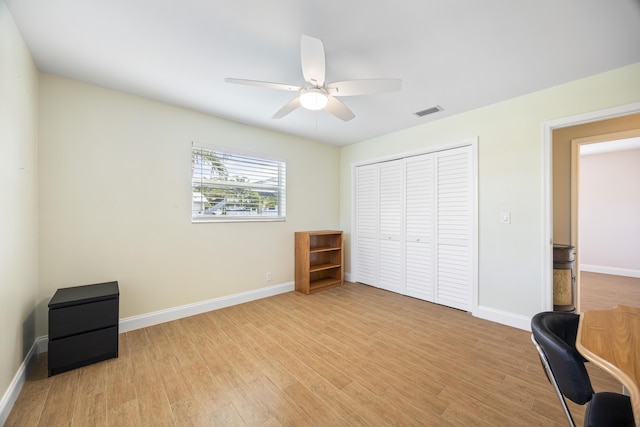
(415, 226)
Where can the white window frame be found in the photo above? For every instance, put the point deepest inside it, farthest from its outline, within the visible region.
(249, 175)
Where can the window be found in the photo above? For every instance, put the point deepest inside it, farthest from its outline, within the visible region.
(233, 187)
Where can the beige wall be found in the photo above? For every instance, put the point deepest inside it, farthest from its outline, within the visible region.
(115, 201)
(562, 166)
(510, 151)
(18, 198)
(610, 210)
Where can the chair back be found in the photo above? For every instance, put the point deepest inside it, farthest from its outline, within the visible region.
(555, 333)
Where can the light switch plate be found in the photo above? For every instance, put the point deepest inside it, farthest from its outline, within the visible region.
(505, 217)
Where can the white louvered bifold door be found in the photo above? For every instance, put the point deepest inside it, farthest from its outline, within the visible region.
(366, 201)
(391, 196)
(454, 227)
(419, 227)
(414, 231)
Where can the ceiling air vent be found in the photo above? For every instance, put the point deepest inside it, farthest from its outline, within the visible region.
(428, 111)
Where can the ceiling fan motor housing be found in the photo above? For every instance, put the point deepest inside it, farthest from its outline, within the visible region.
(313, 98)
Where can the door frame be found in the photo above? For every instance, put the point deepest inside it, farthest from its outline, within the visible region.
(547, 184)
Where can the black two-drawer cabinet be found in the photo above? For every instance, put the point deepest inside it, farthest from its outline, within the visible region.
(83, 326)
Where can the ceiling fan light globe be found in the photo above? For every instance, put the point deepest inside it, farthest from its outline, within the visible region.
(313, 99)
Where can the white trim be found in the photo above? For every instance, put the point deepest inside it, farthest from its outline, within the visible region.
(504, 317)
(209, 220)
(547, 186)
(476, 227)
(594, 116)
(615, 271)
(347, 277)
(11, 395)
(352, 243)
(162, 316)
(426, 150)
(43, 344)
(235, 150)
(546, 300)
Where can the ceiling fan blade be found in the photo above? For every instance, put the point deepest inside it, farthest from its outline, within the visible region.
(312, 57)
(270, 85)
(363, 87)
(338, 109)
(289, 107)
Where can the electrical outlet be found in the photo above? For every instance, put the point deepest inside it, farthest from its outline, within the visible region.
(268, 276)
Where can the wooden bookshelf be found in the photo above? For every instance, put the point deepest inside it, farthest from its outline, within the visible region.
(319, 260)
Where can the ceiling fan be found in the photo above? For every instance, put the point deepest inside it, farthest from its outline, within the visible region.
(316, 94)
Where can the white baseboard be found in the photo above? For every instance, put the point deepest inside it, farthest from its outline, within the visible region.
(347, 277)
(504, 317)
(627, 272)
(162, 316)
(11, 395)
(41, 344)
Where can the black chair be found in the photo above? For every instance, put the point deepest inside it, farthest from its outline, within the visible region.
(554, 335)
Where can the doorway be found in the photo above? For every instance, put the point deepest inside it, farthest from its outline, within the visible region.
(605, 214)
(557, 137)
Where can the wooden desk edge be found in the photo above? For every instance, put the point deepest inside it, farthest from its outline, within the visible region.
(613, 370)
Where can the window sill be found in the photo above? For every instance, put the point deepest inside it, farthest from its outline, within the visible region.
(236, 219)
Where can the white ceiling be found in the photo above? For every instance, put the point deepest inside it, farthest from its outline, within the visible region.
(459, 54)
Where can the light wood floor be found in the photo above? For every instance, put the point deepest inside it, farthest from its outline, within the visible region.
(604, 291)
(349, 356)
